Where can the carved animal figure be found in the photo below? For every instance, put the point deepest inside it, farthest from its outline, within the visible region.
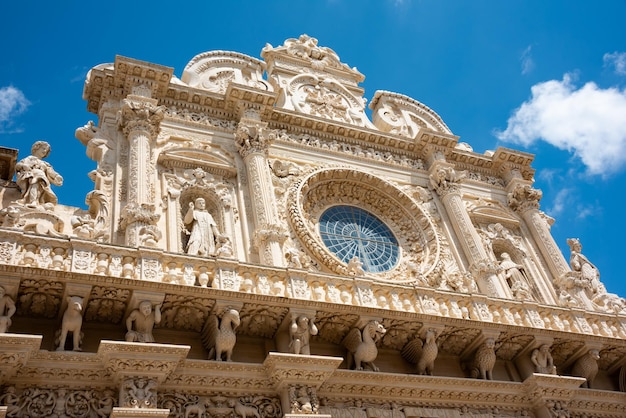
(587, 367)
(197, 410)
(218, 336)
(361, 346)
(484, 360)
(72, 322)
(246, 411)
(422, 354)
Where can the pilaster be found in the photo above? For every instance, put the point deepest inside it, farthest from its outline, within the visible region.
(140, 119)
(253, 140)
(446, 183)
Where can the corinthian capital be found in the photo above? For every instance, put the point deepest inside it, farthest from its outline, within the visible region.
(445, 180)
(253, 138)
(141, 114)
(524, 197)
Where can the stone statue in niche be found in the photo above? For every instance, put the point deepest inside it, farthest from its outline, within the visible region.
(7, 310)
(422, 354)
(219, 336)
(35, 176)
(587, 367)
(203, 229)
(144, 318)
(484, 360)
(516, 277)
(361, 345)
(542, 359)
(72, 322)
(300, 332)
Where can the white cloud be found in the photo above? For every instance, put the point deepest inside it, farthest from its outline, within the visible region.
(587, 121)
(527, 61)
(617, 60)
(560, 202)
(12, 104)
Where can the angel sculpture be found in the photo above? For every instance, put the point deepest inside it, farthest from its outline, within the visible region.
(361, 345)
(422, 354)
(218, 336)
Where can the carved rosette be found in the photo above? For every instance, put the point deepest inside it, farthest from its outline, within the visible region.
(412, 226)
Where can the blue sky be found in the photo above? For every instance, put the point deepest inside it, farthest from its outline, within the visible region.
(546, 77)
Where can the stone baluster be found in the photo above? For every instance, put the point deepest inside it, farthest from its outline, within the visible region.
(523, 199)
(253, 140)
(445, 181)
(140, 119)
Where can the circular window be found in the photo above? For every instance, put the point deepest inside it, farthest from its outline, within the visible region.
(348, 232)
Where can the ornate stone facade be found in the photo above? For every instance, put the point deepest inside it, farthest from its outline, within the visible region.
(257, 247)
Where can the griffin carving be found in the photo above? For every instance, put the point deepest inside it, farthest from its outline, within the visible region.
(361, 345)
(218, 336)
(423, 354)
(587, 367)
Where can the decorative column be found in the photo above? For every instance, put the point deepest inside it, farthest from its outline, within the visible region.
(445, 181)
(253, 140)
(140, 119)
(523, 199)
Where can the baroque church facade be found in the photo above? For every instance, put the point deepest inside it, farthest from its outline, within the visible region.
(256, 246)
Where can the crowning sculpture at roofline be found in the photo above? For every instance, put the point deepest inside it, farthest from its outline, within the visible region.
(252, 212)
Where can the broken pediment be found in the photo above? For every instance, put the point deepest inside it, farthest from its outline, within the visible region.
(399, 114)
(215, 70)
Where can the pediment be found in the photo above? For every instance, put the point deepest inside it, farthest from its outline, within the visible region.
(493, 214)
(213, 160)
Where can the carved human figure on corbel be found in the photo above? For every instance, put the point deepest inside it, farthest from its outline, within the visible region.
(542, 359)
(141, 321)
(7, 310)
(203, 230)
(300, 332)
(34, 176)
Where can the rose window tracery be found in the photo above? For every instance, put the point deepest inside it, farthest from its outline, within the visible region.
(351, 232)
(342, 213)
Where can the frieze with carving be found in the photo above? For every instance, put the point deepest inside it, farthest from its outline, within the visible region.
(185, 405)
(35, 402)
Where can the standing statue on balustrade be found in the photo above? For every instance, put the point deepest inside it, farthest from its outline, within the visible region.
(34, 177)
